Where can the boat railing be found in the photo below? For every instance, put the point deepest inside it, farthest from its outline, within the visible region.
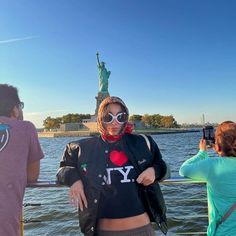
(174, 180)
(171, 181)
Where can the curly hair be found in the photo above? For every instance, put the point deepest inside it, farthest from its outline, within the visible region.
(225, 136)
(8, 99)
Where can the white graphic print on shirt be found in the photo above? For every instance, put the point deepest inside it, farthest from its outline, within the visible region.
(124, 171)
(121, 173)
(4, 135)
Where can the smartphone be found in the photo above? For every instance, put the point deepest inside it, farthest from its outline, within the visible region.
(209, 135)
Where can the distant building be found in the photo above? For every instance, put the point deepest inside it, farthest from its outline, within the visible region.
(85, 125)
(72, 127)
(91, 126)
(139, 124)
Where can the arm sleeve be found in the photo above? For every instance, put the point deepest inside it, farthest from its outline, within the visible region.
(159, 165)
(35, 151)
(197, 167)
(67, 173)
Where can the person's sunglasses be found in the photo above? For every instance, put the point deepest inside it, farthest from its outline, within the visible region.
(120, 118)
(21, 105)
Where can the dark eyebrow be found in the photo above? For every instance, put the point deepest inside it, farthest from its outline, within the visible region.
(116, 113)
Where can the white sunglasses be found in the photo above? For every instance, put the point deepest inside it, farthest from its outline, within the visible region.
(120, 118)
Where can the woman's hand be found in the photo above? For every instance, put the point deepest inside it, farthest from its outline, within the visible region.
(77, 196)
(202, 145)
(147, 177)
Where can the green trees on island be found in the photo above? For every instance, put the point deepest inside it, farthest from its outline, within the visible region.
(54, 123)
(135, 118)
(51, 123)
(148, 121)
(74, 118)
(155, 121)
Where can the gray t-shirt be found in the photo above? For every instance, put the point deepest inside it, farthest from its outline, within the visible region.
(19, 146)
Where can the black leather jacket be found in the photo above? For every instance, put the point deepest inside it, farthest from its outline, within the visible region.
(84, 160)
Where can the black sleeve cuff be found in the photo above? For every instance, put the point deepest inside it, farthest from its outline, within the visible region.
(67, 176)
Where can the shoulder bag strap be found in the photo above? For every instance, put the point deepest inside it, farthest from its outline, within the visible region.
(132, 151)
(147, 141)
(226, 215)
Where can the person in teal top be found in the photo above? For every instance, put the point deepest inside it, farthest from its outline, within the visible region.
(220, 176)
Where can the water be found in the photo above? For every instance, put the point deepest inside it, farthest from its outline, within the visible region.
(55, 216)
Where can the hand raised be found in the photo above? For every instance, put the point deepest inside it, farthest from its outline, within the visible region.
(202, 145)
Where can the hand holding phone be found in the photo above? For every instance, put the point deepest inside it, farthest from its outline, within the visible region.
(209, 135)
(202, 145)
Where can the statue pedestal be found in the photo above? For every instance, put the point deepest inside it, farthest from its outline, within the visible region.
(99, 98)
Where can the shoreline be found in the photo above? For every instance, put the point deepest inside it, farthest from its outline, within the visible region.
(82, 133)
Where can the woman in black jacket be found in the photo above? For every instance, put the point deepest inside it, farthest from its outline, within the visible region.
(105, 173)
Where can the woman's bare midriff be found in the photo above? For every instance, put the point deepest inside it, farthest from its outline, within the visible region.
(123, 223)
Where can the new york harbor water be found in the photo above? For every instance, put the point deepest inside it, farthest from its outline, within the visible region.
(52, 214)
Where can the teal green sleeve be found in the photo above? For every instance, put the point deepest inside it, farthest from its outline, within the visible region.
(197, 167)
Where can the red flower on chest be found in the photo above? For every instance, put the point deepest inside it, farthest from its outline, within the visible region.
(118, 158)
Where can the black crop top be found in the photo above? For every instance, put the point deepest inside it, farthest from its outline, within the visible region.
(119, 198)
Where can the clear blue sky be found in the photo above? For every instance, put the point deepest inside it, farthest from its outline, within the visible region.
(168, 57)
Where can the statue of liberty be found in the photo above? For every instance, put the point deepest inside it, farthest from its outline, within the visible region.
(103, 76)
